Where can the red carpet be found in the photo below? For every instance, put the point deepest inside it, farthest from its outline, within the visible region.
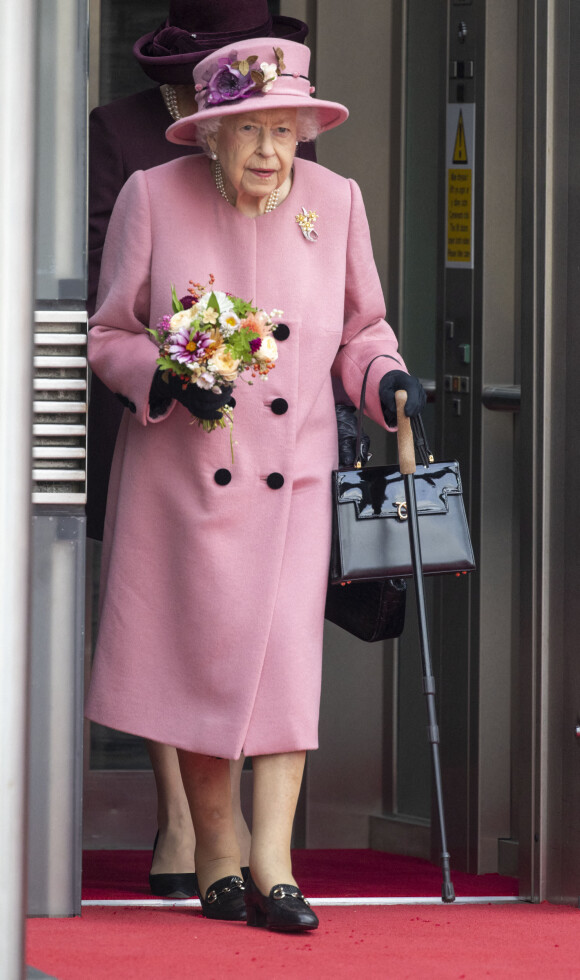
(321, 874)
(442, 942)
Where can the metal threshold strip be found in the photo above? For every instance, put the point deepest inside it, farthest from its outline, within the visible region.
(195, 903)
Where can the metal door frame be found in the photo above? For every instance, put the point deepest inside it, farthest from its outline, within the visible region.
(546, 319)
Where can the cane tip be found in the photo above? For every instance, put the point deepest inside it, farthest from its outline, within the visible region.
(448, 892)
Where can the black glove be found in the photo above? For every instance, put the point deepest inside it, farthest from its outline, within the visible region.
(393, 381)
(200, 402)
(346, 423)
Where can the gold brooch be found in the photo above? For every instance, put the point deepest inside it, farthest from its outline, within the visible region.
(306, 221)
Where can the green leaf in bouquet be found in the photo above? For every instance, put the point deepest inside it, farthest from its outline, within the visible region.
(168, 364)
(213, 304)
(239, 345)
(155, 334)
(241, 307)
(175, 302)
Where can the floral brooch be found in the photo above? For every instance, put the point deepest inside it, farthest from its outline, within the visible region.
(306, 220)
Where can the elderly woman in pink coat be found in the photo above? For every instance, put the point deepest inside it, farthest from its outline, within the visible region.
(216, 554)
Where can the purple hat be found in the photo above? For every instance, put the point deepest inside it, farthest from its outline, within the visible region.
(254, 74)
(194, 28)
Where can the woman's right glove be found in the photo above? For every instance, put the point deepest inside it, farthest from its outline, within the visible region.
(202, 403)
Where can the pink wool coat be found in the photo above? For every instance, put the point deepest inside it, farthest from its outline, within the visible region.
(213, 592)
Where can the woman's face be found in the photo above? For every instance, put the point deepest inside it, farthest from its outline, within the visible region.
(255, 151)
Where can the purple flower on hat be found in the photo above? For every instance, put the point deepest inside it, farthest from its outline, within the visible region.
(228, 84)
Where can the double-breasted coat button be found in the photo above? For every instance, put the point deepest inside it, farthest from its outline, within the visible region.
(279, 406)
(222, 477)
(275, 481)
(282, 331)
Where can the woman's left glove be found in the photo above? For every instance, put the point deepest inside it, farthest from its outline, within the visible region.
(347, 426)
(416, 396)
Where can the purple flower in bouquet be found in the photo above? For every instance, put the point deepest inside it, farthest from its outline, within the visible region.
(188, 349)
(255, 344)
(228, 84)
(187, 301)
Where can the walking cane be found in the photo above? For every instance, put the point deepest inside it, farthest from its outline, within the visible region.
(406, 450)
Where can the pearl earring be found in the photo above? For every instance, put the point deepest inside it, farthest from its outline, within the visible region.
(213, 155)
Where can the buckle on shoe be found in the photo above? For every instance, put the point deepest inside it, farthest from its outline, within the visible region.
(235, 882)
(278, 893)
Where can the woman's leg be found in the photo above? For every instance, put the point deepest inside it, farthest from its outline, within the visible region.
(242, 829)
(175, 851)
(277, 780)
(208, 789)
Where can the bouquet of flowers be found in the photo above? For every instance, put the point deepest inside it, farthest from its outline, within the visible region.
(211, 339)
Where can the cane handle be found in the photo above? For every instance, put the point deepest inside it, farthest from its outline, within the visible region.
(405, 442)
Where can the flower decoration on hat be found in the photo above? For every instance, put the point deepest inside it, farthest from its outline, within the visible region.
(237, 79)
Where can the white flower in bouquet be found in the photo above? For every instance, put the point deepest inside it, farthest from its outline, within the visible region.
(223, 363)
(224, 302)
(268, 350)
(182, 319)
(228, 322)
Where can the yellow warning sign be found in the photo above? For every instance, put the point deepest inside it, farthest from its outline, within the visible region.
(460, 177)
(460, 148)
(459, 211)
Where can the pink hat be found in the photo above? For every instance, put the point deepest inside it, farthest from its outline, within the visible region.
(257, 74)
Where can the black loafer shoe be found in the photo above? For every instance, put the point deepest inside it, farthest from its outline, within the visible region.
(174, 886)
(284, 909)
(225, 900)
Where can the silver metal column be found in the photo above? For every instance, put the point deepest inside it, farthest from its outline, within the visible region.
(16, 292)
(548, 560)
(58, 461)
(57, 615)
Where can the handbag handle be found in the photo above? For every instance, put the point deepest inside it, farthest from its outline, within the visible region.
(405, 444)
(416, 425)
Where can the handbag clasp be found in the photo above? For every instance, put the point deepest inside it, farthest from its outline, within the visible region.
(401, 509)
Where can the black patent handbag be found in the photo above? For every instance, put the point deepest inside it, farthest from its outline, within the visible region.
(370, 539)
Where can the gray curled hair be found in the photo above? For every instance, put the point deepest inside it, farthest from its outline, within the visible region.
(308, 128)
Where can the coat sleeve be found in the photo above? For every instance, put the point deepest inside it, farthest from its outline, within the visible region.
(365, 333)
(120, 352)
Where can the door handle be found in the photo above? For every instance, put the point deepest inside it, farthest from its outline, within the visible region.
(497, 398)
(502, 398)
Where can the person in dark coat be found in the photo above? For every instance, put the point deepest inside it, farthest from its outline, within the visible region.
(125, 136)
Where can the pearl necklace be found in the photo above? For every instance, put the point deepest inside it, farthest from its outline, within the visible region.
(170, 98)
(273, 199)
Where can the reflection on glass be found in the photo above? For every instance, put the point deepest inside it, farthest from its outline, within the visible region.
(110, 749)
(61, 152)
